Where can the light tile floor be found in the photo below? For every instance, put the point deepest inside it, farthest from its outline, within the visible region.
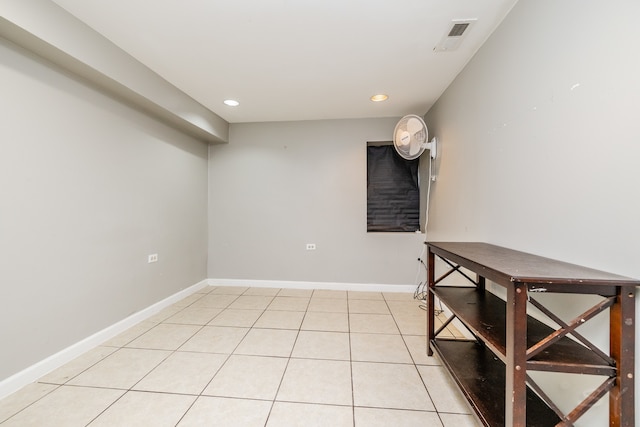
(230, 356)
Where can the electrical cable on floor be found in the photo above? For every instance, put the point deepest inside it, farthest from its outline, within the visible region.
(422, 287)
(422, 290)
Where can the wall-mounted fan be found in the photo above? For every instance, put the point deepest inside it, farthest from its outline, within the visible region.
(410, 138)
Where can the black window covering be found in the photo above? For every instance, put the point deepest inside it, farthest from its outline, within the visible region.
(393, 196)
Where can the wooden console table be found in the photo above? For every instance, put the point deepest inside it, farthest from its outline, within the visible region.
(492, 370)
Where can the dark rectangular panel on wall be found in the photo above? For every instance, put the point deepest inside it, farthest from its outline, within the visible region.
(393, 194)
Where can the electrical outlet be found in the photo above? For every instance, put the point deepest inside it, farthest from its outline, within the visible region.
(311, 246)
(153, 258)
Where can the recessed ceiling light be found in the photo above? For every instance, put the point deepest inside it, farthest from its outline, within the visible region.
(379, 97)
(231, 102)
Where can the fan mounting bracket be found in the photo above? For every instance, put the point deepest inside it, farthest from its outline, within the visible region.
(432, 147)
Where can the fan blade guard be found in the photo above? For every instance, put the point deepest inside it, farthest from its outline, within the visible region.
(410, 136)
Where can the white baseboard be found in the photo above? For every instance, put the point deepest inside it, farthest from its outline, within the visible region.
(286, 284)
(33, 372)
(43, 367)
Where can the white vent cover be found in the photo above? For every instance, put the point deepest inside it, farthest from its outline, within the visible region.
(458, 30)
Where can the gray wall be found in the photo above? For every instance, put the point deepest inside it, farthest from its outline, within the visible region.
(540, 146)
(277, 186)
(88, 188)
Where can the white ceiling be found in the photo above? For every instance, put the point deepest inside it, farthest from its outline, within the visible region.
(297, 59)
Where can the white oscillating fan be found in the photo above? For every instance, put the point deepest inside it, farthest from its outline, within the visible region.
(410, 138)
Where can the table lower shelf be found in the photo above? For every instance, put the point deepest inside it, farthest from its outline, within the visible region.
(481, 377)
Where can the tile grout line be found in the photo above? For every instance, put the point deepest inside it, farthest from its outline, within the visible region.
(32, 403)
(415, 365)
(353, 391)
(171, 352)
(284, 372)
(200, 394)
(125, 391)
(66, 383)
(253, 327)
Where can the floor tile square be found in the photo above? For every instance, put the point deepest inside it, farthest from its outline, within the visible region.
(375, 417)
(365, 295)
(187, 301)
(368, 306)
(215, 339)
(411, 323)
(458, 420)
(409, 326)
(322, 345)
(391, 386)
(328, 305)
(275, 319)
(406, 307)
(214, 300)
(379, 348)
(321, 321)
(239, 318)
(130, 334)
(77, 365)
(443, 391)
(286, 414)
(328, 293)
(194, 316)
(317, 381)
(165, 336)
(249, 377)
(398, 296)
(182, 372)
(24, 397)
(417, 345)
(229, 290)
(65, 406)
(296, 293)
(262, 291)
(251, 302)
(140, 408)
(289, 303)
(268, 342)
(373, 323)
(224, 412)
(122, 369)
(164, 314)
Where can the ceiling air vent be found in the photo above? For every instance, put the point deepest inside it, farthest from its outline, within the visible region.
(457, 31)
